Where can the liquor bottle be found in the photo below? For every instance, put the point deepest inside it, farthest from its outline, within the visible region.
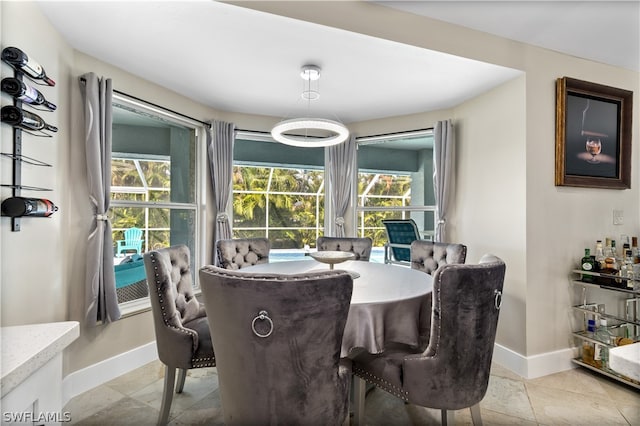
(604, 335)
(21, 61)
(627, 267)
(25, 93)
(627, 271)
(615, 254)
(588, 353)
(634, 250)
(624, 239)
(24, 119)
(588, 263)
(607, 247)
(21, 206)
(599, 255)
(610, 268)
(623, 253)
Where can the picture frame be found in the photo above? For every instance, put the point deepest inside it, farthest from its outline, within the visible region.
(593, 135)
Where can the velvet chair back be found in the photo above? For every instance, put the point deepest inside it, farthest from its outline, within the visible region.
(239, 253)
(427, 256)
(361, 247)
(452, 373)
(182, 332)
(278, 340)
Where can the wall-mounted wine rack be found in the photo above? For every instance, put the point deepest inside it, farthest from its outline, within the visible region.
(18, 158)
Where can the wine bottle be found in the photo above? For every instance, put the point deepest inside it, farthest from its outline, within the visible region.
(21, 61)
(21, 206)
(25, 92)
(24, 119)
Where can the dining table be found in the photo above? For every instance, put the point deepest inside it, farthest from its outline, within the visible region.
(390, 303)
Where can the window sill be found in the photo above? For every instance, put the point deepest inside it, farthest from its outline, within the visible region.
(134, 307)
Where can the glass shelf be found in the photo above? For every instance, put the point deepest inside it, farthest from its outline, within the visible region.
(591, 337)
(635, 291)
(581, 308)
(607, 372)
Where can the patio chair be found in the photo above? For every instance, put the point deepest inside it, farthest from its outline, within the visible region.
(400, 234)
(132, 241)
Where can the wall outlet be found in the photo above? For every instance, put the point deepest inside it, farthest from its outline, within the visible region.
(618, 217)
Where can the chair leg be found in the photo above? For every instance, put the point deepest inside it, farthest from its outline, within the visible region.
(447, 417)
(475, 415)
(359, 390)
(167, 394)
(182, 375)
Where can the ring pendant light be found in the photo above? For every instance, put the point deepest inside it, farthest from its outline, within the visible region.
(296, 131)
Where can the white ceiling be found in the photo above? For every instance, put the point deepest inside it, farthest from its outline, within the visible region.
(603, 31)
(237, 59)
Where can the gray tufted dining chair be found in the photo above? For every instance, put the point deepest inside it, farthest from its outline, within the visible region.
(239, 253)
(182, 332)
(427, 256)
(452, 373)
(278, 340)
(361, 247)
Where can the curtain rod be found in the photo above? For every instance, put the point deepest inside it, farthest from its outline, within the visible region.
(164, 108)
(404, 132)
(208, 125)
(255, 132)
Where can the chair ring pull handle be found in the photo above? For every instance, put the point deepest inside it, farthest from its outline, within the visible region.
(497, 302)
(263, 316)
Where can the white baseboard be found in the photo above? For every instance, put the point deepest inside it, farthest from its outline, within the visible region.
(88, 378)
(535, 365)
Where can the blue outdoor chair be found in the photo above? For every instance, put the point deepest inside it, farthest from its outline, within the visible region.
(132, 241)
(400, 234)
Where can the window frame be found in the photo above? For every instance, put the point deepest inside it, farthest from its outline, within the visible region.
(404, 210)
(199, 204)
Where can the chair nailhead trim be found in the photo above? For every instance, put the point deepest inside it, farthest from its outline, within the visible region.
(164, 314)
(395, 391)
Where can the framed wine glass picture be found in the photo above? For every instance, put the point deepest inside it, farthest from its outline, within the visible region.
(593, 135)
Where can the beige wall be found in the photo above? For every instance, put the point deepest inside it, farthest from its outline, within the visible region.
(508, 203)
(489, 208)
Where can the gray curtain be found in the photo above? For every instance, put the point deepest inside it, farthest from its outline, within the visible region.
(443, 153)
(220, 140)
(341, 166)
(101, 301)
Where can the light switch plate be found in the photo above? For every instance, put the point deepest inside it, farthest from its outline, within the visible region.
(618, 217)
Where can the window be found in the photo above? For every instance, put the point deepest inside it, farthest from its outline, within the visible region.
(153, 188)
(395, 181)
(283, 204)
(278, 193)
(278, 190)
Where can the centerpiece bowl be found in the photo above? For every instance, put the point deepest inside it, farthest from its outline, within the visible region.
(332, 257)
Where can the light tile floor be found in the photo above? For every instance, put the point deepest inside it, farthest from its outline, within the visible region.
(575, 397)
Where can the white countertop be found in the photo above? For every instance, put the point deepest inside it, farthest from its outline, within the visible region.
(26, 348)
